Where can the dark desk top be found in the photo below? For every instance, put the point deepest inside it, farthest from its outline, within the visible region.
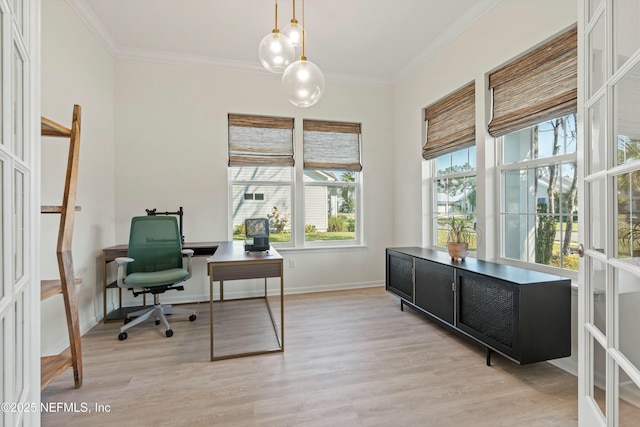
(199, 249)
(234, 252)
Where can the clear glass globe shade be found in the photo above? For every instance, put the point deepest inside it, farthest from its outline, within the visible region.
(294, 32)
(303, 83)
(276, 52)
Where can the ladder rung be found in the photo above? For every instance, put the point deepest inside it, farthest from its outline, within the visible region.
(51, 128)
(49, 288)
(55, 209)
(52, 366)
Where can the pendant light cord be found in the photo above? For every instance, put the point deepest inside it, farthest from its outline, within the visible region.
(275, 28)
(304, 30)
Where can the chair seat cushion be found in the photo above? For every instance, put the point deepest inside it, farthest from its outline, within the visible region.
(156, 278)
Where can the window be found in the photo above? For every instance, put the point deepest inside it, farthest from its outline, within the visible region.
(534, 121)
(332, 170)
(539, 207)
(450, 145)
(261, 174)
(253, 196)
(455, 192)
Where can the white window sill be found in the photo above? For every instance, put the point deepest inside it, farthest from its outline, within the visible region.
(328, 247)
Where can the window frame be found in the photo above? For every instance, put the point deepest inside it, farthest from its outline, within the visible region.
(435, 177)
(297, 191)
(501, 211)
(260, 150)
(355, 166)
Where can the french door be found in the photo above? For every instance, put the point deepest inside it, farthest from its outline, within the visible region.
(19, 211)
(609, 225)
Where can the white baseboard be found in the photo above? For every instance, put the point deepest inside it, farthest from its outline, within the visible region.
(64, 344)
(229, 293)
(566, 364)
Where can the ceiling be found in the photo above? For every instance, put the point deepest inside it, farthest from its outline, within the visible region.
(371, 42)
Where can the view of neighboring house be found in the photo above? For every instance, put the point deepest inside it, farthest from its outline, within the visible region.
(253, 200)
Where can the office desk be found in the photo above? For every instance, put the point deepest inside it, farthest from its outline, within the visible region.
(111, 253)
(231, 262)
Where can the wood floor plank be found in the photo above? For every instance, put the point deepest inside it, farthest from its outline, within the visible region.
(351, 358)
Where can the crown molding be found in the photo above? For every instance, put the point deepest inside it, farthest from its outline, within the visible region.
(479, 9)
(94, 25)
(167, 57)
(98, 29)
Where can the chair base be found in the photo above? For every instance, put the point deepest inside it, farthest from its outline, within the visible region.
(158, 311)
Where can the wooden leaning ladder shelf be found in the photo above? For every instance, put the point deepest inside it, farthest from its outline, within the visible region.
(52, 366)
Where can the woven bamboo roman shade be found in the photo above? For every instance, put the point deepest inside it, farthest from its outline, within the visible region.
(451, 123)
(260, 141)
(540, 85)
(331, 145)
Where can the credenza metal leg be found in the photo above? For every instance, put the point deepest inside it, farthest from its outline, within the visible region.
(489, 351)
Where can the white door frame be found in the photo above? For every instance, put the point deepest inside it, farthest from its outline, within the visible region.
(20, 213)
(601, 361)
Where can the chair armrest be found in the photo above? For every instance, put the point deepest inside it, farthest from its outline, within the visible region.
(189, 254)
(122, 269)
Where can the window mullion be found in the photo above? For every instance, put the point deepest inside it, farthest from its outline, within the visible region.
(541, 162)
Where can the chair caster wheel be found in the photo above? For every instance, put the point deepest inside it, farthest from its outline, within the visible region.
(169, 333)
(192, 317)
(122, 336)
(127, 320)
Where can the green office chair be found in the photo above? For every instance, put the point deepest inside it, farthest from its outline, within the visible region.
(154, 265)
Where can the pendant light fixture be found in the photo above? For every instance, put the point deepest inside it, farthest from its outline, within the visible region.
(303, 81)
(275, 50)
(294, 30)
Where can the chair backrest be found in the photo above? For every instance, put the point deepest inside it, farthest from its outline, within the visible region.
(154, 244)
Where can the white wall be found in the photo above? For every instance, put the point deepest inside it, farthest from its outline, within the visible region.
(171, 151)
(76, 69)
(504, 32)
(154, 136)
(507, 30)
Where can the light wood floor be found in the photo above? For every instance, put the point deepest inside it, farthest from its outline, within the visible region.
(351, 358)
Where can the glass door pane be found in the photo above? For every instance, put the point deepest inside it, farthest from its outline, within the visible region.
(2, 239)
(18, 103)
(627, 218)
(596, 136)
(18, 347)
(18, 226)
(1, 79)
(597, 209)
(596, 41)
(598, 279)
(627, 26)
(628, 286)
(598, 376)
(626, 118)
(18, 10)
(593, 4)
(628, 401)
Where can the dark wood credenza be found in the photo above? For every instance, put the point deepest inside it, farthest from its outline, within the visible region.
(522, 314)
